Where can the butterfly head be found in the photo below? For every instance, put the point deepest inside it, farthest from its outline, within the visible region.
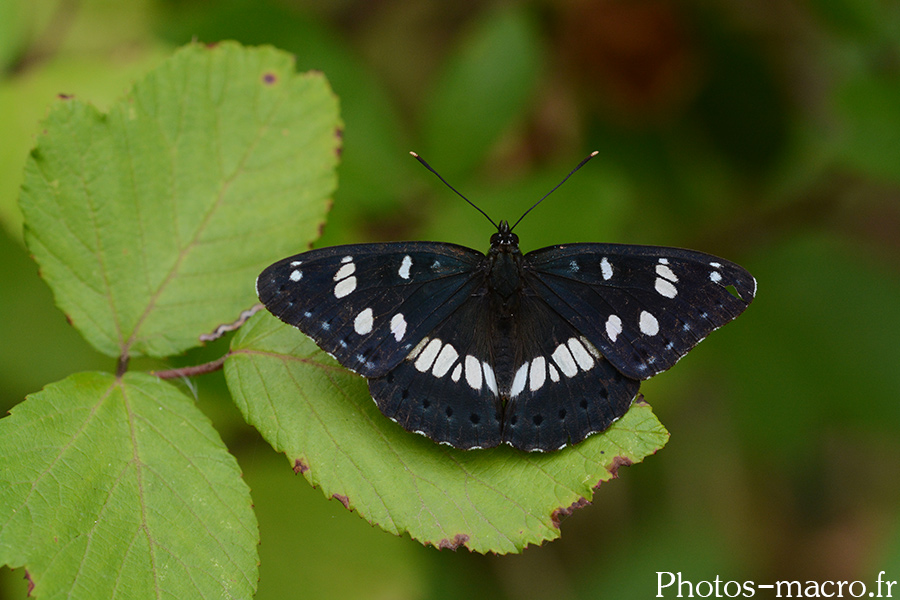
(504, 239)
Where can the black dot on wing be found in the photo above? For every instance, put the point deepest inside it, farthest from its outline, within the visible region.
(475, 418)
(390, 378)
(604, 393)
(404, 394)
(449, 412)
(537, 420)
(562, 414)
(426, 403)
(583, 404)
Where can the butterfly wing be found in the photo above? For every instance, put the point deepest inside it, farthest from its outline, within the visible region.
(562, 389)
(531, 381)
(446, 388)
(368, 305)
(643, 307)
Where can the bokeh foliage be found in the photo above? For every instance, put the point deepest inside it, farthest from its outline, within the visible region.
(762, 132)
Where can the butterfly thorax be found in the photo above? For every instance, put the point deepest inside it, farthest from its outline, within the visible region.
(505, 268)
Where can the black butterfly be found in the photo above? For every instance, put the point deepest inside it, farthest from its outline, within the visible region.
(537, 351)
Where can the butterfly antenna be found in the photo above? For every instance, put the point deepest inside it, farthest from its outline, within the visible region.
(444, 181)
(572, 172)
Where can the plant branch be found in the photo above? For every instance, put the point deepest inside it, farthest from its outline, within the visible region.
(192, 370)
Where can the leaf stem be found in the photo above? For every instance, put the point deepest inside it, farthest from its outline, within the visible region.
(192, 370)
(122, 365)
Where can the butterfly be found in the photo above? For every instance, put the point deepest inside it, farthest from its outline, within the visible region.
(536, 350)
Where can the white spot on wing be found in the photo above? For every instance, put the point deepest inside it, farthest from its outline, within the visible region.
(296, 275)
(444, 360)
(562, 357)
(537, 375)
(398, 326)
(664, 261)
(405, 266)
(715, 265)
(489, 379)
(648, 324)
(591, 348)
(345, 287)
(606, 269)
(473, 372)
(573, 266)
(580, 353)
(415, 351)
(363, 322)
(296, 263)
(613, 327)
(518, 383)
(554, 374)
(346, 271)
(715, 277)
(423, 363)
(457, 372)
(665, 288)
(664, 271)
(347, 259)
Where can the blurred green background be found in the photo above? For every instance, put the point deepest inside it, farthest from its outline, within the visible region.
(764, 132)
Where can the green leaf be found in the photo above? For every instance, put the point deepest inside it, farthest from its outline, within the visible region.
(26, 100)
(121, 488)
(150, 223)
(498, 500)
(484, 88)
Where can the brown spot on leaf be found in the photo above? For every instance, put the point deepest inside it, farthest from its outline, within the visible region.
(342, 499)
(269, 78)
(619, 461)
(339, 134)
(300, 467)
(639, 401)
(65, 96)
(30, 582)
(562, 512)
(458, 540)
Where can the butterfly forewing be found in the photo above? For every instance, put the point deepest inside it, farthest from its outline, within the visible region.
(643, 307)
(368, 305)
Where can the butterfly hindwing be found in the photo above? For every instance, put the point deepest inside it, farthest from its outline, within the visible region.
(454, 389)
(446, 387)
(643, 307)
(562, 389)
(368, 305)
